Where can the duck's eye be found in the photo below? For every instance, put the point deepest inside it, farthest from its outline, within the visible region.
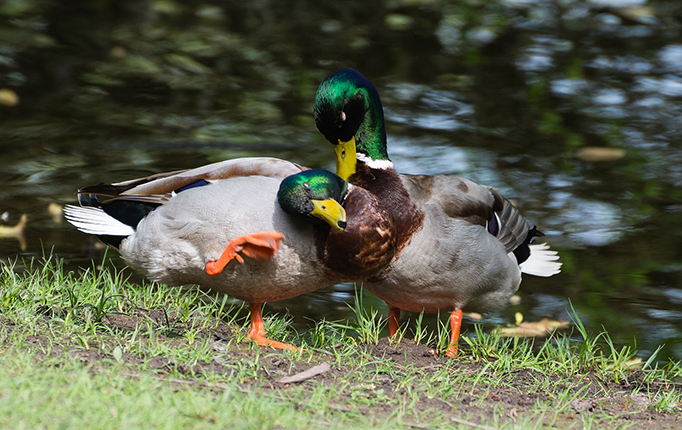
(342, 118)
(306, 185)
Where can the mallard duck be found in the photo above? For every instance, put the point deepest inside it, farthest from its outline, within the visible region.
(460, 244)
(185, 227)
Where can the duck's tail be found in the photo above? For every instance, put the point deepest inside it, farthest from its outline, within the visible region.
(94, 220)
(541, 262)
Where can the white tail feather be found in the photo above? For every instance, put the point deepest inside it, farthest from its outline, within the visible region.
(93, 220)
(542, 261)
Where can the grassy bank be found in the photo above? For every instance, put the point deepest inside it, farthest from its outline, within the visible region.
(93, 350)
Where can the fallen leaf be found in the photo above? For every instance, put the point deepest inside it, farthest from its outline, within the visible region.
(118, 354)
(533, 329)
(55, 210)
(594, 154)
(8, 97)
(636, 14)
(518, 318)
(15, 231)
(473, 315)
(635, 363)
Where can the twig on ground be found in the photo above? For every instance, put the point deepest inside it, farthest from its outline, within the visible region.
(418, 426)
(470, 424)
(306, 374)
(431, 366)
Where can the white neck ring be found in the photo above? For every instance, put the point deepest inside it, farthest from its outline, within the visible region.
(374, 164)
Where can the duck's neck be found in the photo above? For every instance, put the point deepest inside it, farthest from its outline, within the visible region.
(371, 135)
(385, 183)
(367, 244)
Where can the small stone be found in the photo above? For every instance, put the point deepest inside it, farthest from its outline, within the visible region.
(581, 406)
(219, 346)
(640, 399)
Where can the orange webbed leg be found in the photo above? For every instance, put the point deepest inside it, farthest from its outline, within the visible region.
(260, 246)
(393, 320)
(455, 325)
(257, 331)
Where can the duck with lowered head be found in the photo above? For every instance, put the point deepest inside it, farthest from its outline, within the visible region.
(186, 227)
(460, 244)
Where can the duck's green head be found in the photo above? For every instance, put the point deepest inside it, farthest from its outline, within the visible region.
(316, 193)
(348, 113)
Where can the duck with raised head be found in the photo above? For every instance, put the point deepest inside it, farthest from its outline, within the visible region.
(186, 227)
(460, 244)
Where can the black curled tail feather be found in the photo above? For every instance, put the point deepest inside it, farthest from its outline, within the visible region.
(89, 200)
(511, 228)
(522, 252)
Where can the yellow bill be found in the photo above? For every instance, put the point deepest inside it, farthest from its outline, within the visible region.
(345, 158)
(331, 212)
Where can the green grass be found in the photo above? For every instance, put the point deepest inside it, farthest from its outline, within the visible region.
(91, 349)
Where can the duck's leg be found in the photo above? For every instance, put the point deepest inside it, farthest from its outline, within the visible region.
(455, 325)
(257, 331)
(393, 320)
(260, 246)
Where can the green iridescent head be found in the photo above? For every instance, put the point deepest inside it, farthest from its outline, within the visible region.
(347, 106)
(315, 193)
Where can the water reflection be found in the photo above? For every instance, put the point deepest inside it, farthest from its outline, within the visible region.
(507, 93)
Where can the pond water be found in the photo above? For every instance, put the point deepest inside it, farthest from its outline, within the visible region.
(512, 94)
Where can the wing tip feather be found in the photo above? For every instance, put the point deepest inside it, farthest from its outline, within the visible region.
(542, 261)
(93, 220)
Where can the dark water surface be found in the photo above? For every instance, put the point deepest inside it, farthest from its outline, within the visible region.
(506, 93)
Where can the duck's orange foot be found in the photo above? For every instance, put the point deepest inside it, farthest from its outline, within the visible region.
(263, 341)
(455, 325)
(260, 246)
(257, 331)
(393, 320)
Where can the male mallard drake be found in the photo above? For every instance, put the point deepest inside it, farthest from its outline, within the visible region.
(460, 244)
(185, 227)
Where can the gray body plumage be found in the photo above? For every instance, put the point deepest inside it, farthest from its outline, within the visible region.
(450, 263)
(174, 242)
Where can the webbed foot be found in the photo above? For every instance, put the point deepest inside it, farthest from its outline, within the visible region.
(260, 246)
(257, 331)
